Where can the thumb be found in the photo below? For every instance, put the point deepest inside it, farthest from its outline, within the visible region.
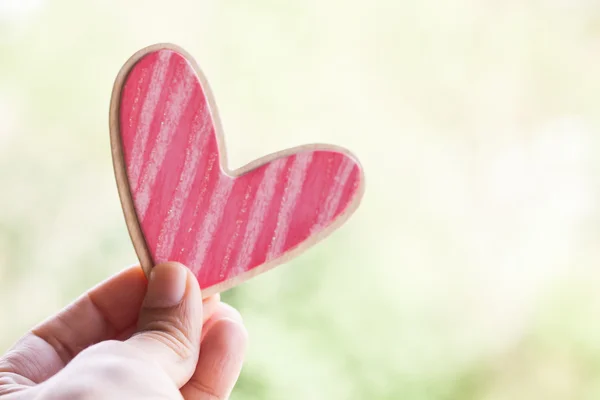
(170, 321)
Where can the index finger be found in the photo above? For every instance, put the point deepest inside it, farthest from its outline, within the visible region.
(99, 314)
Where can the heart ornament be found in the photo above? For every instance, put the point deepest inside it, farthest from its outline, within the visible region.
(182, 203)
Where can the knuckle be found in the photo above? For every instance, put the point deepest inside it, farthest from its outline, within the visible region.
(172, 334)
(177, 343)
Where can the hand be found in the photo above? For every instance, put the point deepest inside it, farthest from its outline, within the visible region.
(131, 339)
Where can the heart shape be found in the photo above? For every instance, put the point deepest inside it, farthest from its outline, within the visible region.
(181, 203)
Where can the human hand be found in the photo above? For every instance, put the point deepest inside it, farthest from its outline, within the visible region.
(131, 339)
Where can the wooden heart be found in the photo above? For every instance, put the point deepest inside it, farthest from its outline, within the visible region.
(180, 200)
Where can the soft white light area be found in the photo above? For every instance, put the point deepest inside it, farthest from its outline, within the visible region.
(12, 9)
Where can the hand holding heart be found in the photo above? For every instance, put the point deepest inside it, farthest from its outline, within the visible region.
(131, 339)
(138, 335)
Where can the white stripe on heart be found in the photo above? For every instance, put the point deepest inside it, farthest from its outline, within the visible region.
(211, 221)
(291, 193)
(157, 80)
(176, 105)
(200, 134)
(335, 194)
(258, 212)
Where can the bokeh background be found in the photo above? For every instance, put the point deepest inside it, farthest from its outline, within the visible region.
(471, 270)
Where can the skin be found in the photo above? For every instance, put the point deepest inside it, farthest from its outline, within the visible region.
(131, 338)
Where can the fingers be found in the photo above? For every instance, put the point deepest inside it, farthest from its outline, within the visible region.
(221, 357)
(220, 311)
(209, 306)
(96, 316)
(170, 321)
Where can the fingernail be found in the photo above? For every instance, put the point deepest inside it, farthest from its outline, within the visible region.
(166, 286)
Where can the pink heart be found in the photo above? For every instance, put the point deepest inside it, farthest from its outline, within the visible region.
(182, 204)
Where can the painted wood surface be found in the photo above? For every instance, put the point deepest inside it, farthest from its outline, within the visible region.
(183, 204)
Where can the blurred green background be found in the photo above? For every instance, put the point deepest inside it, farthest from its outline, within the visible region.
(471, 270)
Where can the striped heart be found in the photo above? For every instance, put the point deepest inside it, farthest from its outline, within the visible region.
(181, 202)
